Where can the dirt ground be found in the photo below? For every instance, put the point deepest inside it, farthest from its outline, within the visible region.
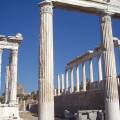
(30, 116)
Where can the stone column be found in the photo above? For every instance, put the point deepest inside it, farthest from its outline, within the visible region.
(90, 71)
(99, 68)
(24, 105)
(62, 83)
(58, 85)
(13, 76)
(77, 79)
(1, 51)
(66, 76)
(71, 80)
(6, 85)
(83, 77)
(111, 87)
(46, 96)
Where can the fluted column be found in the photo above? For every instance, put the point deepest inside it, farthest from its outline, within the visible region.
(58, 85)
(71, 80)
(1, 51)
(83, 77)
(90, 71)
(99, 68)
(6, 85)
(62, 83)
(77, 79)
(66, 80)
(13, 76)
(111, 87)
(46, 97)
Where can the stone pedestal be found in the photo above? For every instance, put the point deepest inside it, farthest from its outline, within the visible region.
(112, 110)
(9, 112)
(46, 97)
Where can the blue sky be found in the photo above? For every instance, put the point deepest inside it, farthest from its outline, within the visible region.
(74, 34)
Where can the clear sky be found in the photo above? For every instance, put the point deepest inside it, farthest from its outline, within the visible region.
(74, 34)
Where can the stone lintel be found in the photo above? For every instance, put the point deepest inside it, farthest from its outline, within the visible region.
(89, 6)
(90, 54)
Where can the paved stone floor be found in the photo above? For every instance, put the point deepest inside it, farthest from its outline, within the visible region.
(30, 116)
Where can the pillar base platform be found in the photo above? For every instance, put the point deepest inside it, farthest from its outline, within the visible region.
(9, 112)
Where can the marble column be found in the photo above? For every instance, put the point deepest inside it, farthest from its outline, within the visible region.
(90, 71)
(13, 76)
(112, 111)
(58, 84)
(62, 83)
(77, 79)
(24, 105)
(83, 77)
(99, 68)
(6, 85)
(71, 80)
(66, 80)
(46, 96)
(1, 51)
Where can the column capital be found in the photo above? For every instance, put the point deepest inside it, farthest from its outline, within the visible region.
(14, 52)
(46, 7)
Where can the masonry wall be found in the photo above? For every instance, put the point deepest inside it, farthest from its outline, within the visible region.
(93, 99)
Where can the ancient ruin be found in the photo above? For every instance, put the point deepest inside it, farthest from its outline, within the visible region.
(9, 109)
(105, 10)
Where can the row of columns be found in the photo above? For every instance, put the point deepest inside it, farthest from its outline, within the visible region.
(66, 81)
(46, 100)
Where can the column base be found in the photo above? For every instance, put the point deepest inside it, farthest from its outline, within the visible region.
(8, 112)
(46, 111)
(112, 111)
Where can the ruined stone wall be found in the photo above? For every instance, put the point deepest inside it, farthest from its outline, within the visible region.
(88, 100)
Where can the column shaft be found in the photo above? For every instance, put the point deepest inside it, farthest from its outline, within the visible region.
(13, 76)
(83, 77)
(90, 71)
(0, 65)
(66, 75)
(6, 85)
(99, 68)
(58, 85)
(111, 87)
(62, 83)
(77, 79)
(46, 97)
(71, 81)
